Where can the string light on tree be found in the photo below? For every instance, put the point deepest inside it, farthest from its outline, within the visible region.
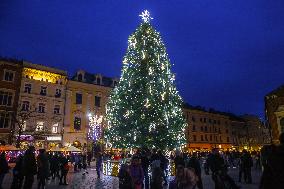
(145, 108)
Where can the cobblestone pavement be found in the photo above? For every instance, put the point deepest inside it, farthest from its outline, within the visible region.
(90, 181)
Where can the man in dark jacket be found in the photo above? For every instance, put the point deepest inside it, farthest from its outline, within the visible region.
(18, 173)
(43, 168)
(273, 173)
(247, 163)
(64, 167)
(29, 167)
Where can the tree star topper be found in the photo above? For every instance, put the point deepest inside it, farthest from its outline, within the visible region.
(145, 15)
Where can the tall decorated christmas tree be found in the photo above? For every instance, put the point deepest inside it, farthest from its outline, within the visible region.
(145, 109)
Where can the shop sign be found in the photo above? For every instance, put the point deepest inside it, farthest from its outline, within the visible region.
(53, 138)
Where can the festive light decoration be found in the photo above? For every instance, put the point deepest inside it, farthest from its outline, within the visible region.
(41, 75)
(145, 108)
(95, 130)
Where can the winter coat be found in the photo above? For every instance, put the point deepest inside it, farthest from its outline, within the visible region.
(43, 165)
(29, 164)
(273, 173)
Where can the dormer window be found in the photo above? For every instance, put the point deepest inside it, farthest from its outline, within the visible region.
(80, 77)
(98, 80)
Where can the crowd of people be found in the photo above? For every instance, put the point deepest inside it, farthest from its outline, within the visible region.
(149, 168)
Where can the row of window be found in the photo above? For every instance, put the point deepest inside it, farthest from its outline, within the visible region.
(43, 90)
(79, 99)
(205, 120)
(205, 129)
(205, 138)
(41, 107)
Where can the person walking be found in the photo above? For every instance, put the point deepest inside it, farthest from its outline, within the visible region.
(99, 161)
(4, 168)
(29, 167)
(64, 168)
(18, 173)
(43, 168)
(195, 164)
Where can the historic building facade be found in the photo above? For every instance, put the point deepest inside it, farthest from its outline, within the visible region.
(86, 97)
(42, 98)
(207, 130)
(274, 111)
(10, 80)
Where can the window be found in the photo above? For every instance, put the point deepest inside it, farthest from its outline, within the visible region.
(200, 119)
(78, 98)
(210, 137)
(28, 88)
(114, 83)
(193, 128)
(39, 126)
(41, 108)
(201, 128)
(193, 119)
(98, 81)
(218, 122)
(77, 123)
(25, 106)
(205, 128)
(56, 109)
(8, 75)
(206, 138)
(204, 120)
(220, 139)
(227, 130)
(97, 101)
(201, 137)
(228, 139)
(58, 93)
(194, 137)
(24, 126)
(6, 98)
(80, 77)
(209, 120)
(55, 128)
(43, 91)
(5, 120)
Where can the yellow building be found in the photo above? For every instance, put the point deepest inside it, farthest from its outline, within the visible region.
(207, 129)
(86, 95)
(42, 96)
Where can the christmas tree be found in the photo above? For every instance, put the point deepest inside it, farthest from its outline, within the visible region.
(144, 110)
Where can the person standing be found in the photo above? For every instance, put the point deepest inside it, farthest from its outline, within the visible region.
(43, 168)
(136, 173)
(64, 167)
(18, 173)
(54, 166)
(247, 163)
(4, 168)
(195, 164)
(125, 181)
(99, 161)
(29, 167)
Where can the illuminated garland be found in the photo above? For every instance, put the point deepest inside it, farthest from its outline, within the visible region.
(95, 130)
(145, 108)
